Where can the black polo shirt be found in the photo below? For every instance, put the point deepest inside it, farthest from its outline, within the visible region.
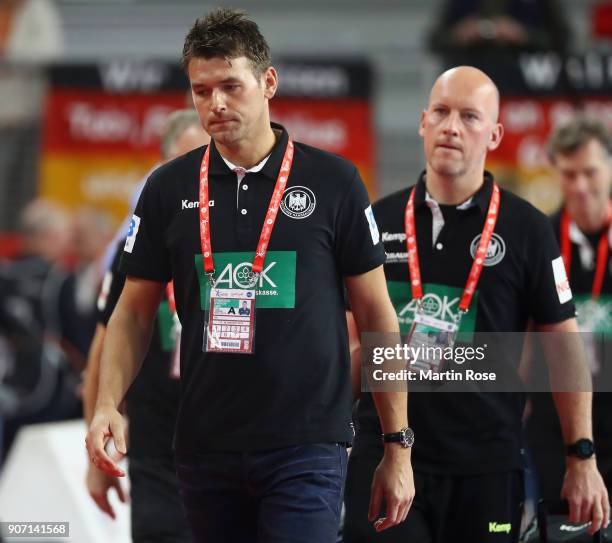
(595, 317)
(153, 398)
(295, 388)
(473, 432)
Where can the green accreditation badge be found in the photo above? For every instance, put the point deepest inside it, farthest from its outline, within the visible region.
(275, 288)
(230, 321)
(430, 340)
(431, 325)
(229, 300)
(595, 324)
(439, 301)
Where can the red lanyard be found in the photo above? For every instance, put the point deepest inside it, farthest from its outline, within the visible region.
(479, 258)
(602, 252)
(268, 226)
(170, 296)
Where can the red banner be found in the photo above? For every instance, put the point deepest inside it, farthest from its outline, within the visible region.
(343, 127)
(102, 128)
(521, 162)
(101, 122)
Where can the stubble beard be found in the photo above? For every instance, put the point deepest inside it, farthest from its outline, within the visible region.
(447, 168)
(587, 208)
(229, 138)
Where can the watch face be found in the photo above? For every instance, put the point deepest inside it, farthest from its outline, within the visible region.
(584, 448)
(407, 437)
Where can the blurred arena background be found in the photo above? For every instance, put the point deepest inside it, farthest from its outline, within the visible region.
(110, 70)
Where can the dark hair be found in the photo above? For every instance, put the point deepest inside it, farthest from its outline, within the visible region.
(227, 33)
(571, 136)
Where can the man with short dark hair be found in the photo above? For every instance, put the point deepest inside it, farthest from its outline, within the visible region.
(580, 153)
(265, 412)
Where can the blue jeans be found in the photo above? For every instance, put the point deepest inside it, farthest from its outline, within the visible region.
(288, 495)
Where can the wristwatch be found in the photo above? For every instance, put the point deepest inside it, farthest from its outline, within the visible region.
(405, 437)
(583, 449)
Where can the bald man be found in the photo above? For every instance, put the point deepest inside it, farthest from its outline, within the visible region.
(482, 261)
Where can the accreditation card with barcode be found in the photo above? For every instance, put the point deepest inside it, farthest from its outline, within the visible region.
(230, 321)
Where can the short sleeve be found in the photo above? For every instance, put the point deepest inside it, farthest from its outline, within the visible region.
(112, 286)
(550, 296)
(358, 246)
(145, 254)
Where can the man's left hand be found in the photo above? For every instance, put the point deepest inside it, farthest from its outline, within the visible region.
(586, 494)
(393, 481)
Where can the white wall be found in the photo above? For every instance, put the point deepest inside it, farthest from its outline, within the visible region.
(43, 480)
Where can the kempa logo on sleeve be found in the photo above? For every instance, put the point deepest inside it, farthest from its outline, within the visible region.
(132, 233)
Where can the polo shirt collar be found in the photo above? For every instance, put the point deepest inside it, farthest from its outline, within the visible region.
(270, 166)
(254, 169)
(480, 199)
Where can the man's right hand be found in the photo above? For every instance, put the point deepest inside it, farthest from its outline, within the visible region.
(394, 482)
(98, 485)
(107, 423)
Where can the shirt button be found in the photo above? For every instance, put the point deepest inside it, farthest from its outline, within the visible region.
(245, 187)
(439, 246)
(243, 211)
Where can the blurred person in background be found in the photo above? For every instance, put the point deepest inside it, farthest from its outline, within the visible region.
(45, 234)
(92, 230)
(580, 153)
(152, 401)
(40, 374)
(30, 36)
(485, 28)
